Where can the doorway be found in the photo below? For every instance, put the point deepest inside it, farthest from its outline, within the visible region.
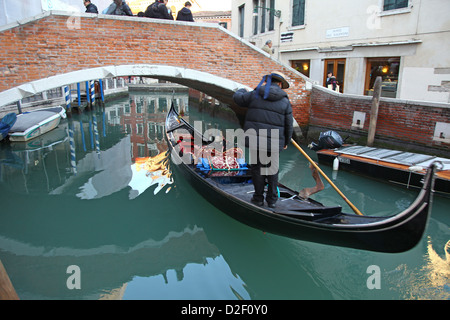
(337, 67)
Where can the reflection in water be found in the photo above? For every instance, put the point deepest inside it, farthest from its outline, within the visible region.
(96, 154)
(95, 193)
(431, 281)
(437, 270)
(149, 171)
(181, 284)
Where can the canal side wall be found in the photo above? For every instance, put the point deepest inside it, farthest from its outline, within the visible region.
(412, 125)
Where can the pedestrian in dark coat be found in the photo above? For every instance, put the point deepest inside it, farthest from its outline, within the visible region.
(158, 10)
(331, 81)
(90, 7)
(185, 14)
(119, 8)
(268, 129)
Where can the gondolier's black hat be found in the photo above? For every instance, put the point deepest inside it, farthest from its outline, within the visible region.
(277, 76)
(281, 78)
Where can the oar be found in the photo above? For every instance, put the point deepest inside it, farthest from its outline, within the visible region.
(328, 179)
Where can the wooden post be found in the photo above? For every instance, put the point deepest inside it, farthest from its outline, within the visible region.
(374, 111)
(7, 291)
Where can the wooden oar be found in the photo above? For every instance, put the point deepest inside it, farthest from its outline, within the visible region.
(326, 178)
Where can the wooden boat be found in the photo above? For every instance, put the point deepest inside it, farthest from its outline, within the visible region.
(405, 168)
(294, 217)
(32, 124)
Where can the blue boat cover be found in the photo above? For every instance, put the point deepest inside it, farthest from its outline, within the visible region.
(6, 123)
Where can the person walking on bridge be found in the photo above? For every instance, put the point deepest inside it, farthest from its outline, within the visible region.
(90, 7)
(185, 14)
(119, 8)
(158, 10)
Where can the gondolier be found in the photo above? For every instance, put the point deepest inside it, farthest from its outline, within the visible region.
(269, 115)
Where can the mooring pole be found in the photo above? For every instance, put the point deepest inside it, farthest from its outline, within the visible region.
(88, 96)
(67, 96)
(92, 92)
(19, 106)
(374, 112)
(79, 94)
(100, 82)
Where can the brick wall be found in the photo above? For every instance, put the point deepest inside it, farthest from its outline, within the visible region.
(53, 44)
(408, 121)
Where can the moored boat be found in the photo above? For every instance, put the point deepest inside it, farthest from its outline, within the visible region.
(304, 219)
(32, 124)
(400, 167)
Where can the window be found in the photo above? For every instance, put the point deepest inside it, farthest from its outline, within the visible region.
(263, 16)
(301, 66)
(394, 4)
(298, 13)
(272, 15)
(387, 69)
(241, 21)
(255, 17)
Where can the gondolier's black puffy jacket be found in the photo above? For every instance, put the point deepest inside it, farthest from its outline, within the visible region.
(275, 112)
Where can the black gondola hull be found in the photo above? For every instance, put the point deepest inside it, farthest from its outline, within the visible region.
(389, 238)
(394, 234)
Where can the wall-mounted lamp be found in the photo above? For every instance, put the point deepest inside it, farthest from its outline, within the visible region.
(276, 13)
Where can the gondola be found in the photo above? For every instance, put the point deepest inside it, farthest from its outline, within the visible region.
(295, 217)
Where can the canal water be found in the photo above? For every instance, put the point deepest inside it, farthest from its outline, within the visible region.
(94, 210)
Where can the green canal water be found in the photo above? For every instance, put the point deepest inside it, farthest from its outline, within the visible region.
(100, 216)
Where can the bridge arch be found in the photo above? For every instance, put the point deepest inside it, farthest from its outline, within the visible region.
(218, 87)
(50, 50)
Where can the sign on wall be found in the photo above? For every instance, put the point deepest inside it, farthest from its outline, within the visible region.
(338, 32)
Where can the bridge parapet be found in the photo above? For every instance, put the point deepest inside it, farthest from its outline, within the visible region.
(57, 49)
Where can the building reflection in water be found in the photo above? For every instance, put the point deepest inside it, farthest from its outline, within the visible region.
(97, 153)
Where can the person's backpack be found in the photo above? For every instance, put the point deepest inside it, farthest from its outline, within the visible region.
(152, 10)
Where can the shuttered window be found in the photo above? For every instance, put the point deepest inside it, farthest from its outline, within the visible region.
(298, 13)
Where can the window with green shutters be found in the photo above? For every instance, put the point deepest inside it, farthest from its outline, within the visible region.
(298, 13)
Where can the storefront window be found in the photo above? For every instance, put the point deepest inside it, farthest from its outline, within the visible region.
(387, 69)
(301, 66)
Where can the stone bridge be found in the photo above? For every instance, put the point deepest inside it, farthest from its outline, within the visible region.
(56, 49)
